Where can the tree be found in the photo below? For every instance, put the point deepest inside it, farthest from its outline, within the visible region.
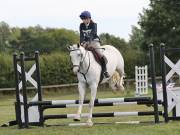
(14, 37)
(136, 38)
(4, 35)
(64, 37)
(117, 42)
(161, 23)
(45, 40)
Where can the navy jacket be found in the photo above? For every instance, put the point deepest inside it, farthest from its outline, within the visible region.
(88, 33)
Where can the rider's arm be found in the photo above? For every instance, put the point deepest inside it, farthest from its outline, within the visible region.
(81, 34)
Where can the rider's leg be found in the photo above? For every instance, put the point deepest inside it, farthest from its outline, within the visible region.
(104, 61)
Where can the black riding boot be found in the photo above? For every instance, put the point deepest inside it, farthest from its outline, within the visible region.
(104, 69)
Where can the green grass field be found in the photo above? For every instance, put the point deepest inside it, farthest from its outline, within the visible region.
(7, 114)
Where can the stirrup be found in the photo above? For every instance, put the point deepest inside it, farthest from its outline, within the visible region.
(106, 74)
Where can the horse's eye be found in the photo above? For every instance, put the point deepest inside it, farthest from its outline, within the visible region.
(79, 55)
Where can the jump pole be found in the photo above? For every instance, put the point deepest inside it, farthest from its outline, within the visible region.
(94, 115)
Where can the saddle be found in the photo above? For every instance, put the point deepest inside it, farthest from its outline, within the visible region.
(97, 56)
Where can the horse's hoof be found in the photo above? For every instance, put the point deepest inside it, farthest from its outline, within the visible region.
(89, 123)
(121, 88)
(77, 118)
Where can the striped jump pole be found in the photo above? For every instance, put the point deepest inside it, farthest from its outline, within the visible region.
(95, 115)
(97, 101)
(103, 123)
(98, 104)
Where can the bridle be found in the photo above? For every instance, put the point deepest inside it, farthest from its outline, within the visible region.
(81, 57)
(81, 62)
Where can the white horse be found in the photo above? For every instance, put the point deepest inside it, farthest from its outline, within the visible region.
(88, 72)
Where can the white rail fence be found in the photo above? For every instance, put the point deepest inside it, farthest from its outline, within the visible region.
(128, 82)
(141, 76)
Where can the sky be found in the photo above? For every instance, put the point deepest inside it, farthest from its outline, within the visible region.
(112, 16)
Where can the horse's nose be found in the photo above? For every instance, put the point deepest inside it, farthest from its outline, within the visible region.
(75, 70)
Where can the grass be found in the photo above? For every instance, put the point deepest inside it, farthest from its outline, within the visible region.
(7, 114)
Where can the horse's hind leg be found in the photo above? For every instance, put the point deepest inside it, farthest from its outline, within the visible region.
(93, 88)
(121, 81)
(81, 88)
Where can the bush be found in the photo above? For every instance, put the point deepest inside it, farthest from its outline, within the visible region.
(6, 71)
(56, 68)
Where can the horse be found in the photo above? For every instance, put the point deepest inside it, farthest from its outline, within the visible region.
(88, 71)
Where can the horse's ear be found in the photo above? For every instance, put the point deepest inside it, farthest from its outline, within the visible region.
(78, 45)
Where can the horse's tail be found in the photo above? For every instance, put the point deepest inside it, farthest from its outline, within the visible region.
(115, 82)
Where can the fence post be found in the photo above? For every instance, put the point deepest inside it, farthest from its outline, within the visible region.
(26, 117)
(153, 77)
(163, 73)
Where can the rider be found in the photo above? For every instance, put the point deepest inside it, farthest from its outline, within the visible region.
(89, 37)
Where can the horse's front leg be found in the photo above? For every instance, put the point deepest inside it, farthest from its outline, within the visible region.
(81, 88)
(93, 88)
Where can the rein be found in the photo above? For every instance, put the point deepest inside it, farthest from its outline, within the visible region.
(84, 74)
